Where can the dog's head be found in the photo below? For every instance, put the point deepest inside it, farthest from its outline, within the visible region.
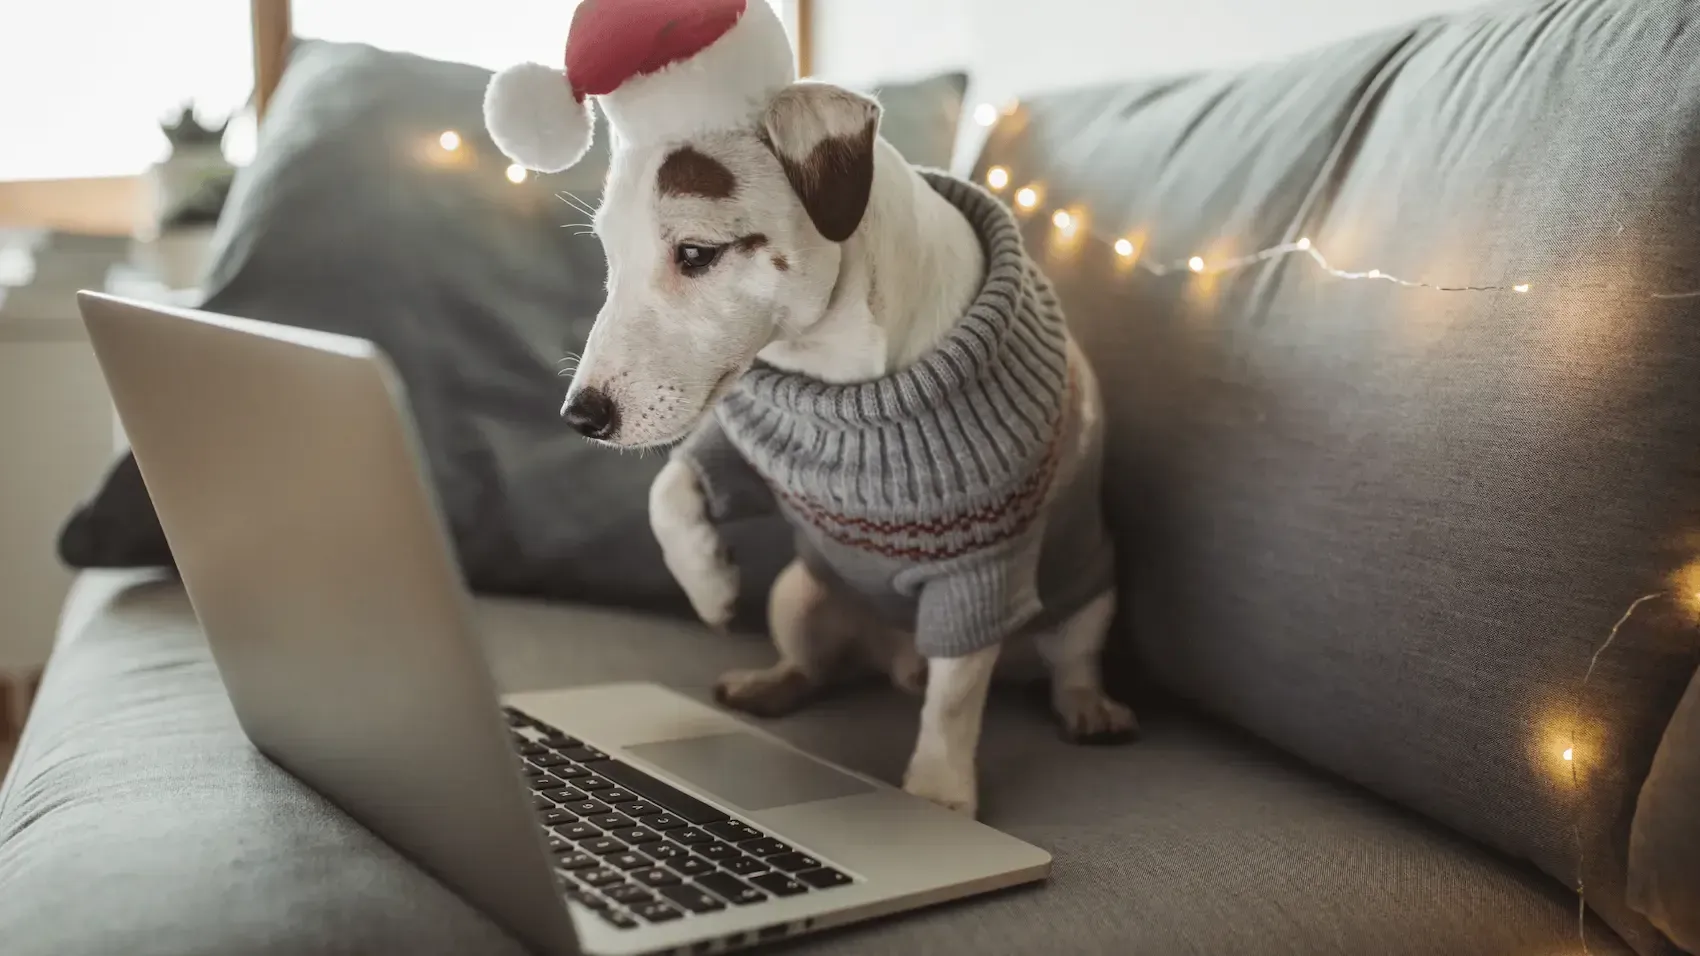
(717, 246)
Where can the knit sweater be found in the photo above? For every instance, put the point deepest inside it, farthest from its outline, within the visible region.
(960, 495)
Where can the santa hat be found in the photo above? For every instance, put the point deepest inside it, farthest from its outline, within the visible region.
(661, 69)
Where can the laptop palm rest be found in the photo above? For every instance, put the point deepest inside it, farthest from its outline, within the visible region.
(747, 771)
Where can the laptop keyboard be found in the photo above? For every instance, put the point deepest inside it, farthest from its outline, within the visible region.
(638, 850)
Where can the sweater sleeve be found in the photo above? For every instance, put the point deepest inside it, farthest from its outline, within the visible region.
(733, 490)
(979, 600)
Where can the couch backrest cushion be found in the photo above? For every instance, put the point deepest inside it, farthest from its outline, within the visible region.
(1391, 528)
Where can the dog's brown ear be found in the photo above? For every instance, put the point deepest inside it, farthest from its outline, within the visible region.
(824, 137)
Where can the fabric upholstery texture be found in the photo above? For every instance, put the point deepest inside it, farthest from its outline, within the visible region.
(353, 219)
(140, 822)
(1388, 528)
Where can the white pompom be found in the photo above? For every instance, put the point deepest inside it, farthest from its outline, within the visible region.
(534, 118)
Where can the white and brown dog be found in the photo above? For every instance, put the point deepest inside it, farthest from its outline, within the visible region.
(753, 222)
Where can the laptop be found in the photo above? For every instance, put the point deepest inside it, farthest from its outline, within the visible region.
(613, 819)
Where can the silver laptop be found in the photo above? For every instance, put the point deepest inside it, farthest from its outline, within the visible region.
(603, 819)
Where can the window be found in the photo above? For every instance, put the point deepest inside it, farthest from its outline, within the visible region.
(84, 84)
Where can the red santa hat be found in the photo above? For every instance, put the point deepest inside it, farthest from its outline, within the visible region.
(661, 69)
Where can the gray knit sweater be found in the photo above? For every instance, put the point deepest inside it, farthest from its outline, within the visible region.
(960, 495)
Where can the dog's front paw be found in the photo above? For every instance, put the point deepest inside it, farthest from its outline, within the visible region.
(773, 692)
(1089, 716)
(932, 778)
(711, 583)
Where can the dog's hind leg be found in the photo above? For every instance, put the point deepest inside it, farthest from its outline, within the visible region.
(813, 629)
(1072, 651)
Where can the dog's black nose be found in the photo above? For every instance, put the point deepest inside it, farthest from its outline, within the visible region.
(591, 413)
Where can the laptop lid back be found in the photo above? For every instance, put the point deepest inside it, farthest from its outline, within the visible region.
(288, 480)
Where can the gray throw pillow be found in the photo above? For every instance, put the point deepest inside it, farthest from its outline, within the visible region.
(354, 219)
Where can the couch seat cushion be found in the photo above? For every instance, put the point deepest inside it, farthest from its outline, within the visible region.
(139, 821)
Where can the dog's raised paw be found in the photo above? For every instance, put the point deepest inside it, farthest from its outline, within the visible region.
(1090, 717)
(773, 692)
(932, 780)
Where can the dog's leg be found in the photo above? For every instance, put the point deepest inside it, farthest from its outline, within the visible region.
(812, 628)
(942, 767)
(690, 545)
(1072, 651)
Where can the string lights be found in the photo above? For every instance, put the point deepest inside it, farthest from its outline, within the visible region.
(450, 140)
(516, 173)
(1029, 197)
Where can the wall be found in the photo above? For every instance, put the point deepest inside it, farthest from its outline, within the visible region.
(1012, 47)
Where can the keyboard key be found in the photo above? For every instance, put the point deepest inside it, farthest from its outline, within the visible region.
(533, 771)
(589, 899)
(586, 808)
(656, 912)
(716, 851)
(641, 808)
(592, 783)
(602, 846)
(733, 831)
(627, 860)
(566, 795)
(692, 899)
(779, 884)
(580, 754)
(547, 760)
(560, 741)
(612, 821)
(619, 919)
(576, 861)
(793, 862)
(822, 878)
(654, 876)
(665, 794)
(515, 717)
(617, 795)
(766, 846)
(542, 802)
(629, 894)
(578, 831)
(663, 851)
(690, 866)
(731, 889)
(570, 772)
(547, 782)
(635, 835)
(665, 822)
(556, 815)
(600, 877)
(558, 845)
(745, 865)
(690, 837)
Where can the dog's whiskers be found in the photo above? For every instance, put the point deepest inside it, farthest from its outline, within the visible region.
(571, 199)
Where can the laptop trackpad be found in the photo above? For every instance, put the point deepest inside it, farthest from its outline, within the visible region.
(750, 772)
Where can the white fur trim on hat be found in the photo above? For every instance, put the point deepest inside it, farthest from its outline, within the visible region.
(535, 119)
(725, 86)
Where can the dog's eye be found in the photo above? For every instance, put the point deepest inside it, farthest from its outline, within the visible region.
(694, 259)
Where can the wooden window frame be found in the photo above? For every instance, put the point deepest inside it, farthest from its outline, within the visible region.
(113, 205)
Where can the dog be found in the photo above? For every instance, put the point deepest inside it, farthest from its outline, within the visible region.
(806, 245)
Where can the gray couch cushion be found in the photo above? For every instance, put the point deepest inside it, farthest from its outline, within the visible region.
(1664, 843)
(354, 220)
(1388, 528)
(138, 821)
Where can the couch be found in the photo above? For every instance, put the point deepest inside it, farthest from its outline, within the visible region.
(1410, 577)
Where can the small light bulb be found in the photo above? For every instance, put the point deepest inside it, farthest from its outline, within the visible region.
(1569, 754)
(1124, 248)
(1375, 273)
(450, 140)
(516, 173)
(1062, 220)
(1304, 243)
(997, 177)
(1196, 264)
(1026, 197)
(1520, 287)
(985, 114)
